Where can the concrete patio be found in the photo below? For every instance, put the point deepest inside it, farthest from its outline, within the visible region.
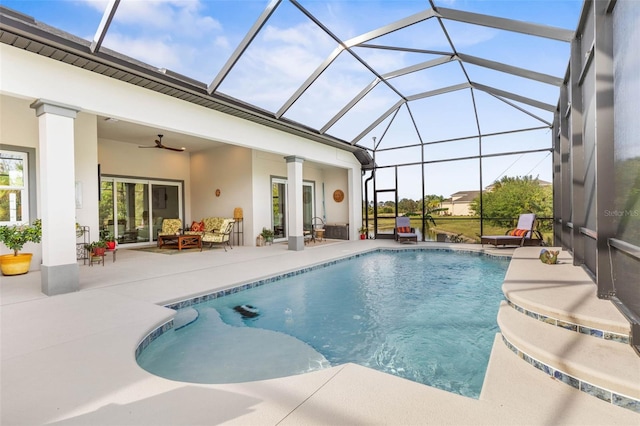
(69, 359)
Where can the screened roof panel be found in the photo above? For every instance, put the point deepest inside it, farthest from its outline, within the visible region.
(514, 142)
(280, 56)
(425, 35)
(496, 115)
(286, 51)
(347, 19)
(190, 38)
(333, 89)
(373, 106)
(446, 116)
(400, 132)
(438, 177)
(453, 149)
(389, 60)
(526, 87)
(401, 156)
(537, 164)
(544, 12)
(447, 74)
(520, 50)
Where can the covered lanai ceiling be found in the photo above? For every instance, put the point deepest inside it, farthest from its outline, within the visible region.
(372, 75)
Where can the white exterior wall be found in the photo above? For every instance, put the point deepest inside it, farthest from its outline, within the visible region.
(29, 77)
(228, 169)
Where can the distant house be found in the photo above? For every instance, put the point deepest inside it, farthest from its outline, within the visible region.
(459, 203)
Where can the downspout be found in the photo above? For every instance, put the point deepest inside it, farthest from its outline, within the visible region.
(366, 200)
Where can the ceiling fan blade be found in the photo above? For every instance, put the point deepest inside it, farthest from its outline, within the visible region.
(173, 149)
(159, 145)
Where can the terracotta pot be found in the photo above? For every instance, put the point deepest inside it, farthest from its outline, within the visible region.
(15, 265)
(99, 251)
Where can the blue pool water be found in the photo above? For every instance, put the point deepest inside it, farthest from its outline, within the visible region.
(428, 316)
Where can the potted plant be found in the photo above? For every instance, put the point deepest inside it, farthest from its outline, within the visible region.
(109, 240)
(15, 237)
(267, 234)
(97, 248)
(363, 232)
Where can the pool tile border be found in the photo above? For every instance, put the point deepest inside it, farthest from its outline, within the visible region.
(604, 394)
(221, 293)
(157, 332)
(590, 331)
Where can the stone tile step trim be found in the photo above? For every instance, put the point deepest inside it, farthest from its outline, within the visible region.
(606, 395)
(589, 331)
(574, 354)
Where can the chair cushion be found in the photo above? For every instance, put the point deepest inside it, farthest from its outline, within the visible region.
(171, 226)
(197, 226)
(212, 224)
(404, 230)
(519, 232)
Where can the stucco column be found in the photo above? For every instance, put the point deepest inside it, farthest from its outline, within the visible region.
(59, 270)
(294, 202)
(354, 184)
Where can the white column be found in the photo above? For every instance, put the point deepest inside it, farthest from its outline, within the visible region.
(294, 202)
(354, 198)
(59, 270)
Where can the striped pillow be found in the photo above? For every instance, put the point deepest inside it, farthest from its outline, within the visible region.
(404, 230)
(519, 232)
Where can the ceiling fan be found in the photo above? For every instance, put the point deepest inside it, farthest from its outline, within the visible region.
(159, 145)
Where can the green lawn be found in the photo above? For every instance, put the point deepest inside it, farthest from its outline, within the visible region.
(468, 228)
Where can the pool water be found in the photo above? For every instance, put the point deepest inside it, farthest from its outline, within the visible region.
(426, 315)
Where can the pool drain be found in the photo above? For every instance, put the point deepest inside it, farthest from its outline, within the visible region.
(247, 311)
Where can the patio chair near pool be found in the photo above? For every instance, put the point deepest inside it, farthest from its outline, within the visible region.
(169, 227)
(222, 236)
(404, 232)
(522, 235)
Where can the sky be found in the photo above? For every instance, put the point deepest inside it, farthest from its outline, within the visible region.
(196, 37)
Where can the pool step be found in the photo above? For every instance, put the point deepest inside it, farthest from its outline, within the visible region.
(184, 317)
(606, 369)
(564, 293)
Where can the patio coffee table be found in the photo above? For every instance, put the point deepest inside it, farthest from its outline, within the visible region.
(180, 241)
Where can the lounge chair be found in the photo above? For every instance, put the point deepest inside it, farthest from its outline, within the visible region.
(404, 231)
(520, 236)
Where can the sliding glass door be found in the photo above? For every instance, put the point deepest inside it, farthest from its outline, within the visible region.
(132, 210)
(279, 207)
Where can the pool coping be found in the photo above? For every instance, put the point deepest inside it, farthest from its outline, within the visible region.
(606, 395)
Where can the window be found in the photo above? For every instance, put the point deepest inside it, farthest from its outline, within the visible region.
(14, 187)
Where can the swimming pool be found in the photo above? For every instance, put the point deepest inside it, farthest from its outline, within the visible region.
(425, 315)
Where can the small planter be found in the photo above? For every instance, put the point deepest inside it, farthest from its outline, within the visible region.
(98, 251)
(15, 265)
(363, 237)
(111, 245)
